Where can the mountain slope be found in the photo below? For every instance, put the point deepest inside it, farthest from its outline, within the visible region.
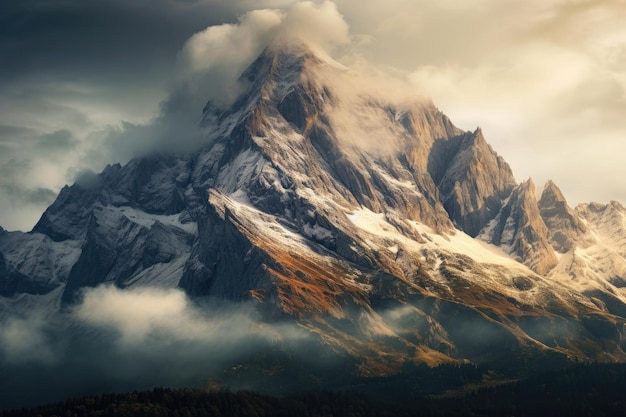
(475, 184)
(564, 225)
(520, 229)
(349, 210)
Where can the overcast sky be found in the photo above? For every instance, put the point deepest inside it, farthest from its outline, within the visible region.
(84, 83)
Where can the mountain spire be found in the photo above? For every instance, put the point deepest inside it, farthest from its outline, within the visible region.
(564, 226)
(327, 201)
(475, 183)
(520, 228)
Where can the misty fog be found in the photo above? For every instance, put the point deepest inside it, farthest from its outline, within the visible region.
(120, 340)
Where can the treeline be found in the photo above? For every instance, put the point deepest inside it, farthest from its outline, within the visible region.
(583, 390)
(162, 402)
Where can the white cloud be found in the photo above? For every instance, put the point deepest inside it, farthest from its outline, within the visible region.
(136, 314)
(320, 24)
(138, 338)
(161, 317)
(230, 45)
(210, 61)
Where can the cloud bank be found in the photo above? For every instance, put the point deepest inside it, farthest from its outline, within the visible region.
(121, 340)
(142, 315)
(211, 60)
(55, 130)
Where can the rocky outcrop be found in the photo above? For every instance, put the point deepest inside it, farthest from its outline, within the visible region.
(325, 202)
(67, 218)
(608, 222)
(32, 263)
(119, 246)
(564, 226)
(519, 228)
(475, 184)
(224, 263)
(155, 184)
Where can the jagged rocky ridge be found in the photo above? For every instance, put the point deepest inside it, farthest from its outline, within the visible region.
(372, 221)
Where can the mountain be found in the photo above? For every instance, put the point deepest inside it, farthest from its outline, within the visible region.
(367, 218)
(519, 228)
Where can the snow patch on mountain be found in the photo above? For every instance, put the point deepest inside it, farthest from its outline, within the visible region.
(320, 197)
(376, 224)
(147, 220)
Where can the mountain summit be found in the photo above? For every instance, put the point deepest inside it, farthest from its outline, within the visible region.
(365, 216)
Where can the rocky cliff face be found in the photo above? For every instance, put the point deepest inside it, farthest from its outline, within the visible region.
(565, 228)
(519, 229)
(326, 202)
(475, 184)
(597, 261)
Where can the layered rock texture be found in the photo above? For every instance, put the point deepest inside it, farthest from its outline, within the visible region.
(370, 220)
(565, 227)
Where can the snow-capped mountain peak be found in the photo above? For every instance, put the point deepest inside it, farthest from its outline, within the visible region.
(320, 198)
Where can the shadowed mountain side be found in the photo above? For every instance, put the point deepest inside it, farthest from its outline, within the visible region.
(520, 228)
(475, 184)
(564, 226)
(348, 209)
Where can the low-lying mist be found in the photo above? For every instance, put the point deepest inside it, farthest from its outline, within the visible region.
(122, 340)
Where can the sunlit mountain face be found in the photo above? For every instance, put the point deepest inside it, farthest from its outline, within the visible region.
(325, 231)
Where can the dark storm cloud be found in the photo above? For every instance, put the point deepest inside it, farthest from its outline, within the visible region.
(8, 133)
(16, 195)
(60, 140)
(69, 68)
(41, 105)
(109, 41)
(12, 167)
(56, 141)
(27, 196)
(62, 56)
(98, 38)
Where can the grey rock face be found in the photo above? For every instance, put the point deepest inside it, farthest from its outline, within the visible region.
(155, 184)
(67, 218)
(475, 183)
(224, 263)
(520, 228)
(564, 225)
(32, 263)
(335, 207)
(116, 248)
(9, 280)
